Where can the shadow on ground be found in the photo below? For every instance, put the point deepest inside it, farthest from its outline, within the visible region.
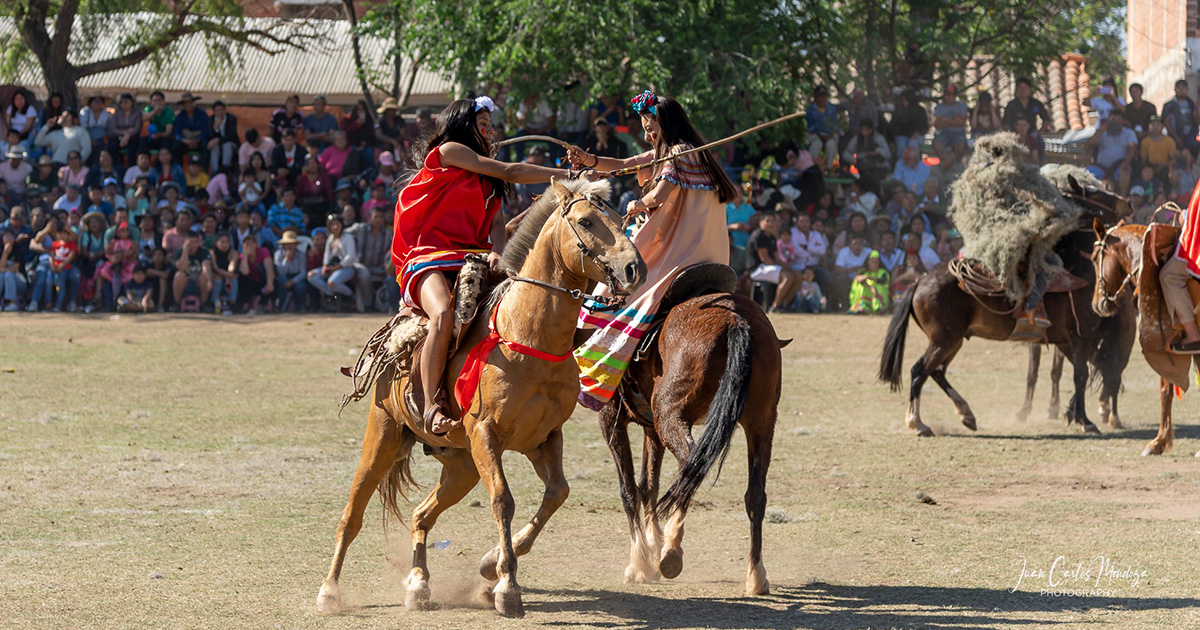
(828, 606)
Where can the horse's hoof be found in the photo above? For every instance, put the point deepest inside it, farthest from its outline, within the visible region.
(756, 581)
(1154, 449)
(1090, 428)
(508, 602)
(1022, 416)
(969, 422)
(1114, 423)
(924, 431)
(417, 596)
(329, 600)
(671, 564)
(487, 565)
(1197, 453)
(1052, 414)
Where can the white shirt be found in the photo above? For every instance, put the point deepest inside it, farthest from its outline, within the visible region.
(892, 260)
(866, 204)
(812, 246)
(848, 260)
(928, 257)
(64, 203)
(133, 173)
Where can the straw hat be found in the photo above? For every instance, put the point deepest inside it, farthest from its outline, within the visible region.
(96, 214)
(16, 152)
(289, 238)
(388, 103)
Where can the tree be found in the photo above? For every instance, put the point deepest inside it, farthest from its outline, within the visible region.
(59, 35)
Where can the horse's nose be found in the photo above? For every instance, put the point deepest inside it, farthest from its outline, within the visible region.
(631, 273)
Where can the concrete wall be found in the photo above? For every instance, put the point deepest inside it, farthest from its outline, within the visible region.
(1157, 38)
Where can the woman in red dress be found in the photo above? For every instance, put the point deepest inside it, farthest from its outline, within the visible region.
(452, 208)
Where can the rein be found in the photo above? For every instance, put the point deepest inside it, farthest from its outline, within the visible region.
(599, 302)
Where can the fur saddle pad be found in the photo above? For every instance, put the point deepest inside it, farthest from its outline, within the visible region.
(976, 280)
(395, 342)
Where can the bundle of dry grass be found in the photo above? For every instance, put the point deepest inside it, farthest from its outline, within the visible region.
(1059, 175)
(1009, 214)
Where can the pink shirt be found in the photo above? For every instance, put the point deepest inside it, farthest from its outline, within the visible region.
(66, 177)
(334, 160)
(266, 147)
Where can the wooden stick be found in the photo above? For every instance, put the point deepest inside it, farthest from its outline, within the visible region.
(633, 169)
(503, 143)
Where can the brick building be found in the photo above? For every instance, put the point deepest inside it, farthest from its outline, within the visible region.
(1163, 45)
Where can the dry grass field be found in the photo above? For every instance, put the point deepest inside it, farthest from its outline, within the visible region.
(174, 472)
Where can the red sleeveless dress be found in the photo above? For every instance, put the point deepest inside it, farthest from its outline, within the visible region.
(444, 214)
(1189, 239)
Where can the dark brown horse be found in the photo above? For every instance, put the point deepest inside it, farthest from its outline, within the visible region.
(1126, 259)
(716, 362)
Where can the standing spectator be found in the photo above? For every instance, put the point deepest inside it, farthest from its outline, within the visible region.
(12, 268)
(373, 242)
(255, 143)
(287, 117)
(950, 119)
(255, 274)
(127, 126)
(360, 130)
(222, 142)
(319, 125)
(74, 172)
(1106, 102)
(812, 246)
(985, 120)
(738, 220)
(288, 158)
(15, 170)
(97, 122)
(161, 127)
(291, 273)
(601, 142)
(224, 271)
(389, 129)
(1115, 148)
(911, 170)
(21, 116)
(1157, 149)
(610, 108)
(1138, 112)
(1025, 105)
(1179, 116)
(120, 255)
(62, 135)
(910, 123)
(337, 266)
(823, 128)
(869, 152)
(341, 159)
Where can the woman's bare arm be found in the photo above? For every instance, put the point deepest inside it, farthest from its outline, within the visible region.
(455, 154)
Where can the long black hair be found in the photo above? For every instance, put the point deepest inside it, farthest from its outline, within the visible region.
(456, 123)
(675, 127)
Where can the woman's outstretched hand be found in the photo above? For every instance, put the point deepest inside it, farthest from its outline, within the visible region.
(577, 156)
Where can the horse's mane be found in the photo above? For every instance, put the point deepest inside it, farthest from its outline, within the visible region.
(517, 249)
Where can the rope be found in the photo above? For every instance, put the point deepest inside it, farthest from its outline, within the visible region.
(977, 284)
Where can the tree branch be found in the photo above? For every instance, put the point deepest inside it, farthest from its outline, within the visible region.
(64, 24)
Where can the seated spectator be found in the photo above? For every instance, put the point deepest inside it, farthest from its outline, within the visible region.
(104, 169)
(21, 116)
(359, 126)
(931, 201)
(262, 234)
(291, 274)
(149, 238)
(173, 239)
(824, 205)
(340, 159)
(127, 127)
(809, 298)
(1115, 148)
(950, 119)
(379, 199)
(320, 125)
(287, 117)
(160, 271)
(118, 218)
(255, 143)
(262, 174)
(223, 185)
(171, 197)
(870, 290)
(1183, 176)
(286, 215)
(766, 265)
(812, 245)
(1138, 113)
(167, 170)
(289, 157)
(161, 126)
(389, 128)
(373, 242)
(824, 129)
(907, 274)
(12, 269)
(346, 195)
(11, 139)
(55, 106)
(224, 273)
(337, 267)
(1147, 182)
(250, 190)
(860, 108)
(869, 152)
(142, 168)
(1179, 117)
(858, 200)
(949, 245)
(255, 275)
(985, 119)
(929, 258)
(1031, 140)
(139, 293)
(889, 254)
(195, 180)
(850, 261)
(46, 175)
(601, 141)
(918, 224)
(222, 143)
(97, 122)
(911, 170)
(856, 226)
(114, 198)
(1157, 149)
(192, 128)
(209, 231)
(388, 172)
(73, 200)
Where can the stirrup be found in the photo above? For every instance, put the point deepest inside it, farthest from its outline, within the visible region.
(436, 414)
(1025, 330)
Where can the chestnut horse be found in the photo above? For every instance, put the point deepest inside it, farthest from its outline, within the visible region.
(716, 362)
(1125, 261)
(567, 238)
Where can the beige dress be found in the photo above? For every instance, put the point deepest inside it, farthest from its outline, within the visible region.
(687, 229)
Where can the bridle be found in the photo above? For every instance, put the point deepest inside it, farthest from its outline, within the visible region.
(1082, 199)
(593, 303)
(1105, 296)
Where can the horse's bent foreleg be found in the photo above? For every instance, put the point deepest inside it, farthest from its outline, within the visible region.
(1031, 378)
(1166, 432)
(676, 434)
(547, 462)
(960, 403)
(487, 449)
(381, 444)
(1056, 370)
(458, 478)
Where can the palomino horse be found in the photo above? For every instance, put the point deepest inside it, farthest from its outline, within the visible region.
(683, 380)
(949, 315)
(567, 238)
(1124, 260)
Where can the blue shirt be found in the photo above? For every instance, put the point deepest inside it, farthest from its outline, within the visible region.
(324, 124)
(282, 218)
(739, 214)
(912, 178)
(197, 121)
(825, 122)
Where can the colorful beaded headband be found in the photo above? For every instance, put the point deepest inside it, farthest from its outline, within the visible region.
(645, 101)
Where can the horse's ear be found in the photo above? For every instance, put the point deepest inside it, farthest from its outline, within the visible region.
(560, 191)
(1098, 226)
(1075, 187)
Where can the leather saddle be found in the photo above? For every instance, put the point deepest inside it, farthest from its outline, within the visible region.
(692, 282)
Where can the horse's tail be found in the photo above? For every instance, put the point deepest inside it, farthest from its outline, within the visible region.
(891, 362)
(399, 479)
(723, 414)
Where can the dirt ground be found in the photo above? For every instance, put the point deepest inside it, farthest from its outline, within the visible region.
(168, 472)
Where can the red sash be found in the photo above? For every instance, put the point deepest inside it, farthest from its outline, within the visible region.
(1189, 238)
(468, 380)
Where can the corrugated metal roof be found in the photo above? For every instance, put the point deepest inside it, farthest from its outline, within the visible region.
(326, 67)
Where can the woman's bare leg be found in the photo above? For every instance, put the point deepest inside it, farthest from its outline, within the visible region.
(438, 304)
